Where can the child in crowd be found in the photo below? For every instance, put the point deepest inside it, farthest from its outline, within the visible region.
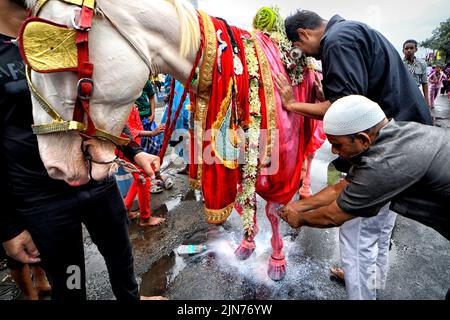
(417, 67)
(141, 183)
(436, 80)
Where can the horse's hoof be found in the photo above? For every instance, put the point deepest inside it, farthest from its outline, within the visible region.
(277, 269)
(245, 250)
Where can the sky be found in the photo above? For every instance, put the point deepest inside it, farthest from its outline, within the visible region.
(397, 20)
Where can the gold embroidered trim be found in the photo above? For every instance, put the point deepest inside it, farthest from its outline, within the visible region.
(269, 92)
(216, 126)
(204, 87)
(218, 216)
(195, 184)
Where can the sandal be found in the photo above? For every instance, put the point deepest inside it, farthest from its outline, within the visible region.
(156, 189)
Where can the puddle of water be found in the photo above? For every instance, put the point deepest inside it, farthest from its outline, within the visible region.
(193, 195)
(251, 274)
(219, 262)
(167, 206)
(156, 281)
(8, 289)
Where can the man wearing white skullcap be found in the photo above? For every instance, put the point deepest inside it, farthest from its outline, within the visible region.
(352, 114)
(394, 167)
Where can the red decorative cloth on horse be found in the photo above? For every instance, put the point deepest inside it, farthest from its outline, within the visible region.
(223, 99)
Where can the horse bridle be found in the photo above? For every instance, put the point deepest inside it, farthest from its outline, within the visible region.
(85, 85)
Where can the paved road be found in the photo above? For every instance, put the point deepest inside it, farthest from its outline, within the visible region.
(419, 257)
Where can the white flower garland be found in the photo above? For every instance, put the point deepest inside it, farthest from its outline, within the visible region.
(246, 197)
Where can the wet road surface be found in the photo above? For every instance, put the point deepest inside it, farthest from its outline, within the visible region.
(420, 257)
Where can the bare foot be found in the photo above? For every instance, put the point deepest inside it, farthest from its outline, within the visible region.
(152, 221)
(154, 298)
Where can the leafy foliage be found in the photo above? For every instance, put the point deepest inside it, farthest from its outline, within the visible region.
(440, 40)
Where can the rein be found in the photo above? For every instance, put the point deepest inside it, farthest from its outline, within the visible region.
(169, 128)
(85, 85)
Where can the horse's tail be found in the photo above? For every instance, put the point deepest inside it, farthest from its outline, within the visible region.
(190, 30)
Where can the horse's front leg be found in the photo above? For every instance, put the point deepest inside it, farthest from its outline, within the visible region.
(277, 262)
(247, 245)
(305, 190)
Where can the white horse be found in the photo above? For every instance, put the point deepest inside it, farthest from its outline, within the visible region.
(128, 41)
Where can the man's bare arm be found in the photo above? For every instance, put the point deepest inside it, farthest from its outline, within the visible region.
(324, 217)
(322, 198)
(312, 110)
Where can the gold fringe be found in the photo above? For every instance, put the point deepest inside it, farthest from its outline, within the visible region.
(195, 184)
(269, 92)
(218, 216)
(204, 87)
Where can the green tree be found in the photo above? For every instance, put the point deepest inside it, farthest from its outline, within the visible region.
(440, 40)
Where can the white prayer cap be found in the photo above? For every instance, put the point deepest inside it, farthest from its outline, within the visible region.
(351, 114)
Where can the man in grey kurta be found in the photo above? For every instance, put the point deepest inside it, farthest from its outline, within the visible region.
(405, 164)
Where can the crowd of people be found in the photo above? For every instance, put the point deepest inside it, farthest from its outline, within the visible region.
(431, 79)
(144, 130)
(361, 92)
(376, 113)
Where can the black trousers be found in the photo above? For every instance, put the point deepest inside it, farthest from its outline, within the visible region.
(55, 225)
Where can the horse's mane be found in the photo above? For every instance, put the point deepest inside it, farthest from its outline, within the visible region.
(30, 3)
(190, 30)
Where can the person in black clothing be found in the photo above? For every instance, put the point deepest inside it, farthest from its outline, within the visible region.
(41, 218)
(356, 60)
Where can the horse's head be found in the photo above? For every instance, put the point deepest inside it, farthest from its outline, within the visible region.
(126, 41)
(119, 75)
